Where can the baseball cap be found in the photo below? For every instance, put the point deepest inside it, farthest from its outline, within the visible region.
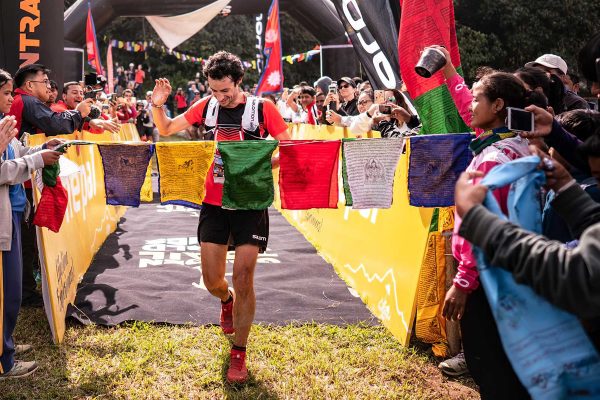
(550, 61)
(348, 80)
(149, 93)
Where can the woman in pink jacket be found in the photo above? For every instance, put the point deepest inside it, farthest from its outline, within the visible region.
(484, 110)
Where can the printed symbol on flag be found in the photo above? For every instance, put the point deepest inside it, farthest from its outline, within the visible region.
(271, 36)
(274, 79)
(374, 172)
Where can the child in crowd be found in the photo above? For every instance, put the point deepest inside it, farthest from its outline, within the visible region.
(484, 109)
(17, 162)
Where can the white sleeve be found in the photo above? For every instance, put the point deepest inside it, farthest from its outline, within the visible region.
(361, 124)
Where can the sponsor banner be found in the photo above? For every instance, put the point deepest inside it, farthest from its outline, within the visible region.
(33, 33)
(372, 29)
(65, 256)
(377, 252)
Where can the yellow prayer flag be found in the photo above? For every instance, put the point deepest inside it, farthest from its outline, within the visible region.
(182, 169)
(146, 194)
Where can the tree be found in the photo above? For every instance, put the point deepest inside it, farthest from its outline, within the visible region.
(235, 33)
(510, 33)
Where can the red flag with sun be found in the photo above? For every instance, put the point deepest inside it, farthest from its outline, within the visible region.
(271, 80)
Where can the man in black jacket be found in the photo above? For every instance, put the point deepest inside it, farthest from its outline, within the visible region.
(568, 278)
(34, 116)
(30, 109)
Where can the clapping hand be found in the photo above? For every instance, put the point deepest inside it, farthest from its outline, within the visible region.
(8, 131)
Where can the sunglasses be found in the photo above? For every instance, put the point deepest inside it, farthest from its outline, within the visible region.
(344, 86)
(363, 102)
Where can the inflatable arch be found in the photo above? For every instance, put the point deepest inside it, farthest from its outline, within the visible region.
(318, 16)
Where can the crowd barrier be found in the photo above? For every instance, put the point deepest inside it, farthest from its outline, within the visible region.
(377, 252)
(65, 256)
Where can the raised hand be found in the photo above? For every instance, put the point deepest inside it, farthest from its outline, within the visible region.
(161, 92)
(8, 131)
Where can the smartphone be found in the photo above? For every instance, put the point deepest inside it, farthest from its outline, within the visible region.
(385, 109)
(333, 87)
(379, 96)
(520, 120)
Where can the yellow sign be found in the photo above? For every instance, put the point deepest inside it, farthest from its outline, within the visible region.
(182, 171)
(377, 252)
(66, 255)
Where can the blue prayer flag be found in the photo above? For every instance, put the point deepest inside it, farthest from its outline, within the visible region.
(436, 162)
(125, 168)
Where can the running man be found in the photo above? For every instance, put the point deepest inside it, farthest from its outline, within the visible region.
(230, 115)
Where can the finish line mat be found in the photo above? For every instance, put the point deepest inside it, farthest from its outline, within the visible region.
(149, 270)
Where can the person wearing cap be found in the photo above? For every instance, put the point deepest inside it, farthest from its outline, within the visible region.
(346, 95)
(554, 64)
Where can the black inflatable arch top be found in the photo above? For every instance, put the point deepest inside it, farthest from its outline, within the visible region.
(318, 16)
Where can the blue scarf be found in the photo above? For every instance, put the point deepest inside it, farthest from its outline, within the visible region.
(547, 347)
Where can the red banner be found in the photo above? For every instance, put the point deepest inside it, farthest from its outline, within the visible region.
(424, 23)
(272, 78)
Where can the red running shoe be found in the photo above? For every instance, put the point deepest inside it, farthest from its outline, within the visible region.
(227, 315)
(237, 372)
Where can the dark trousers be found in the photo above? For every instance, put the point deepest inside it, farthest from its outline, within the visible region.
(484, 353)
(12, 265)
(30, 254)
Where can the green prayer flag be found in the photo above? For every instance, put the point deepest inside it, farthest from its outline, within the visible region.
(346, 185)
(50, 173)
(248, 175)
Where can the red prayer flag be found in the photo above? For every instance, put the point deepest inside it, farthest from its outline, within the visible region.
(425, 23)
(308, 175)
(91, 43)
(51, 209)
(271, 80)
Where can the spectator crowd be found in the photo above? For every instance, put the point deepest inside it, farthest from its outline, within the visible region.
(562, 265)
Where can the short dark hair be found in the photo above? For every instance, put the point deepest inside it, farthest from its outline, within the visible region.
(591, 147)
(4, 77)
(587, 59)
(222, 65)
(581, 123)
(67, 85)
(27, 72)
(53, 84)
(309, 90)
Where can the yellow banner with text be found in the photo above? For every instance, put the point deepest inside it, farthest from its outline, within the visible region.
(65, 256)
(377, 252)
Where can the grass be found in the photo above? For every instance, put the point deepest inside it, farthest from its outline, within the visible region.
(157, 361)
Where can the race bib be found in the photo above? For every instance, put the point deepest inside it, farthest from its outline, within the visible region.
(218, 171)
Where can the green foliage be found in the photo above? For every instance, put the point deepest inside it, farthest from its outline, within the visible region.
(506, 34)
(235, 33)
(477, 49)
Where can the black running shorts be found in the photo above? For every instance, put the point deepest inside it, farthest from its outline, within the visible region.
(233, 227)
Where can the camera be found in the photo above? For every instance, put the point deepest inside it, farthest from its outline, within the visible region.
(94, 84)
(95, 112)
(385, 109)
